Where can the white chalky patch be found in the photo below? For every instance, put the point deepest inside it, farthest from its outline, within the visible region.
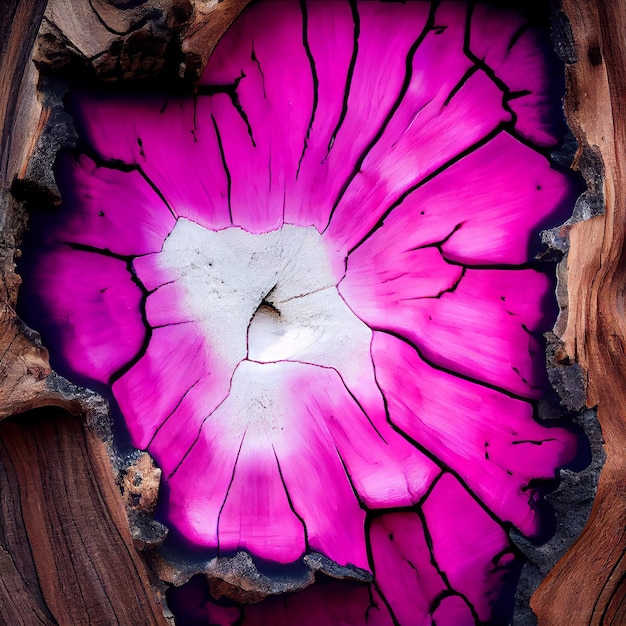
(269, 297)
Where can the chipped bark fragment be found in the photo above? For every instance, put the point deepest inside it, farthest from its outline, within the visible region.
(313, 301)
(143, 41)
(141, 483)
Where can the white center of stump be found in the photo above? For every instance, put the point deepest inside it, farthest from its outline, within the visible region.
(265, 297)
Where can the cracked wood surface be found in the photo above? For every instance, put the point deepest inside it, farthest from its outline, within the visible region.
(594, 336)
(216, 458)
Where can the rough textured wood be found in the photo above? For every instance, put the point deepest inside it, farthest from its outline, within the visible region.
(590, 581)
(62, 485)
(21, 599)
(23, 364)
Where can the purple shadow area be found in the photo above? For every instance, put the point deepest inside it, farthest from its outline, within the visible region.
(308, 287)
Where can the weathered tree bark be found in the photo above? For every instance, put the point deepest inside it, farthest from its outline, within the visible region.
(66, 552)
(588, 585)
(66, 530)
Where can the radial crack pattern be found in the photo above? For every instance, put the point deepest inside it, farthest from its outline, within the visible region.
(310, 289)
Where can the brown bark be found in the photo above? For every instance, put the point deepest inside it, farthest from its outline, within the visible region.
(588, 585)
(23, 364)
(82, 567)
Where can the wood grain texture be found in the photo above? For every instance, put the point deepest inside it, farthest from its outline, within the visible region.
(588, 585)
(75, 523)
(21, 599)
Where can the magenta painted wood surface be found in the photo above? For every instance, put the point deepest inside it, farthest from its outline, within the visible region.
(310, 290)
